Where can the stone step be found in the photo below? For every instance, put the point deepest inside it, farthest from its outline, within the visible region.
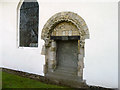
(64, 76)
(65, 79)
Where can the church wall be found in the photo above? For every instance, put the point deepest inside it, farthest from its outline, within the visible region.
(23, 59)
(0, 35)
(101, 50)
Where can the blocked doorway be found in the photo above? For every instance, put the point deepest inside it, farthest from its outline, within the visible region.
(64, 35)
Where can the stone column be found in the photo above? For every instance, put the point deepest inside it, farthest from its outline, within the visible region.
(52, 56)
(81, 58)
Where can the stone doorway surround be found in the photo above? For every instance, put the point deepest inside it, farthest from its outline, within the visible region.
(51, 28)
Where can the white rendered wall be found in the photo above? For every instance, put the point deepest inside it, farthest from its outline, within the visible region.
(0, 34)
(25, 59)
(101, 50)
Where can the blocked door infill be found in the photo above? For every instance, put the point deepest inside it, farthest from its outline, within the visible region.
(67, 51)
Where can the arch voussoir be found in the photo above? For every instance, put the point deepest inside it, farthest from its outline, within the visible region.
(68, 17)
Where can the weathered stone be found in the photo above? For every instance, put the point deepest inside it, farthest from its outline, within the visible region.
(45, 69)
(63, 16)
(52, 55)
(43, 52)
(80, 56)
(53, 49)
(52, 64)
(80, 73)
(80, 67)
(65, 27)
(85, 28)
(82, 43)
(87, 36)
(80, 64)
(53, 44)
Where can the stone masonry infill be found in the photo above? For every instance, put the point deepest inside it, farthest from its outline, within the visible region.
(48, 81)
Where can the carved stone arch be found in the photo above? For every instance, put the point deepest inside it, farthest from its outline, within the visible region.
(64, 22)
(68, 17)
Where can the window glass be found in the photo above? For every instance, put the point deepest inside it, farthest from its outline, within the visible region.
(29, 20)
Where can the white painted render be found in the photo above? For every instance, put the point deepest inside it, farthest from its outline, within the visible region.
(101, 50)
(0, 34)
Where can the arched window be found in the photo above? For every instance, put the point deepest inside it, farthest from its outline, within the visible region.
(28, 24)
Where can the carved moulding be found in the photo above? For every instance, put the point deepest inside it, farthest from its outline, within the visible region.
(68, 17)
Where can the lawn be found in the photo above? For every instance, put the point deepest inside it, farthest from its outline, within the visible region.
(0, 78)
(14, 81)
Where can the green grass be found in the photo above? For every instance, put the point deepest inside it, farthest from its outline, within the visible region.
(0, 78)
(14, 81)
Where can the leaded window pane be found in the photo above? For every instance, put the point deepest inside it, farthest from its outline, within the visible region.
(29, 19)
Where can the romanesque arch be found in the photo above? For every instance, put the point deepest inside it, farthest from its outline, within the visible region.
(59, 28)
(67, 17)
